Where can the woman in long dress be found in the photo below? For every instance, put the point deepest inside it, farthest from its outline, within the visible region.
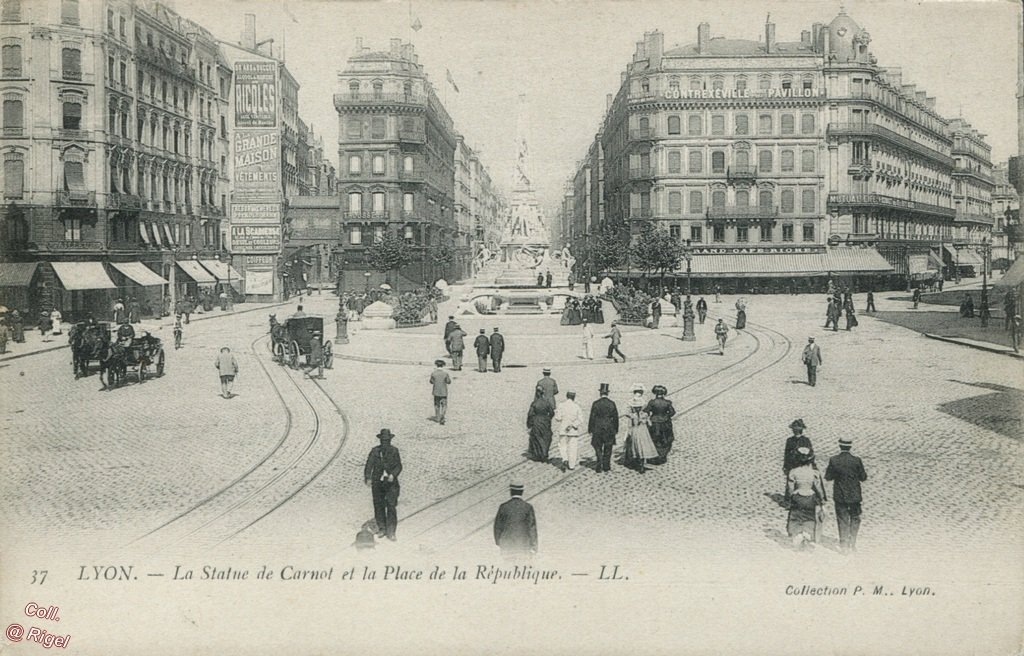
(538, 420)
(641, 447)
(741, 314)
(805, 492)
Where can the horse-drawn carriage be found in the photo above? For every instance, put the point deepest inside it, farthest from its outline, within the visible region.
(90, 342)
(139, 355)
(293, 341)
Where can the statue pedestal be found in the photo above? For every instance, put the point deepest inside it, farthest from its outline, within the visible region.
(378, 316)
(341, 327)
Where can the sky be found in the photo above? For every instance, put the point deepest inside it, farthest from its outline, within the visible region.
(567, 55)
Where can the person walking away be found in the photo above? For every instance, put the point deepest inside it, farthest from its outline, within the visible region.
(795, 441)
(812, 360)
(497, 350)
(381, 471)
(1015, 333)
(613, 348)
(718, 293)
(741, 314)
(916, 296)
(538, 422)
(721, 333)
(118, 312)
(603, 426)
(655, 313)
(547, 279)
(55, 321)
(227, 367)
(1009, 309)
(178, 330)
(515, 526)
(316, 354)
(871, 303)
(483, 349)
(5, 335)
(540, 279)
(569, 418)
(702, 310)
(44, 324)
(448, 328)
(588, 341)
(456, 346)
(549, 385)
(439, 382)
(660, 410)
(847, 473)
(805, 493)
(832, 314)
(851, 317)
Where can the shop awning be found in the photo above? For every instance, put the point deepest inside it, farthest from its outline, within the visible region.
(143, 232)
(1014, 275)
(17, 274)
(156, 234)
(167, 233)
(74, 175)
(76, 276)
(969, 257)
(221, 271)
(790, 265)
(197, 273)
(139, 273)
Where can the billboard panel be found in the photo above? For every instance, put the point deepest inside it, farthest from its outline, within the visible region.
(255, 238)
(257, 160)
(259, 281)
(256, 213)
(255, 94)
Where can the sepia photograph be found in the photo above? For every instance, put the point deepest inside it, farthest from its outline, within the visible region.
(512, 327)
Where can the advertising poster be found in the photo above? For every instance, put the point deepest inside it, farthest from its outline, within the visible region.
(255, 94)
(257, 164)
(255, 238)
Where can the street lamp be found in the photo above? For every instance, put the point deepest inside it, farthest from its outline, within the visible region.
(367, 275)
(688, 334)
(986, 249)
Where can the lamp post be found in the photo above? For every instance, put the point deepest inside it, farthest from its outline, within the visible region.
(367, 276)
(986, 249)
(340, 319)
(688, 335)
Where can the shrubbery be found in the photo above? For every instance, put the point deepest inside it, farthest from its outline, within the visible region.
(632, 304)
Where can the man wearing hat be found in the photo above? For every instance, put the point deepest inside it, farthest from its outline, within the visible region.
(456, 346)
(483, 349)
(439, 382)
(497, 349)
(795, 442)
(550, 387)
(569, 417)
(383, 466)
(847, 473)
(603, 427)
(316, 354)
(616, 336)
(515, 526)
(661, 411)
(448, 328)
(812, 359)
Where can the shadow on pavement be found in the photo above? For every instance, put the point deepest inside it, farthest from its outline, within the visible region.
(1001, 411)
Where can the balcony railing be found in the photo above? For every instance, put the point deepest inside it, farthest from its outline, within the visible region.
(977, 174)
(742, 172)
(751, 212)
(880, 200)
(347, 99)
(72, 135)
(872, 130)
(410, 176)
(641, 172)
(365, 215)
(75, 198)
(74, 245)
(641, 134)
(13, 132)
(124, 202)
(412, 136)
(967, 217)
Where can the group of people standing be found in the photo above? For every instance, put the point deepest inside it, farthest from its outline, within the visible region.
(577, 311)
(492, 346)
(840, 304)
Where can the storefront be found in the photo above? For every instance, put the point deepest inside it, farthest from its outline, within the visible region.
(138, 281)
(18, 287)
(195, 279)
(84, 289)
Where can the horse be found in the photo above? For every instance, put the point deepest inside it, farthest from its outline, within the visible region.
(86, 345)
(277, 333)
(113, 363)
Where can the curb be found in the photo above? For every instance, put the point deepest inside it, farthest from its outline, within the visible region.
(1003, 350)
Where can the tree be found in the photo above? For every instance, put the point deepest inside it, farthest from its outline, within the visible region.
(390, 253)
(606, 249)
(655, 251)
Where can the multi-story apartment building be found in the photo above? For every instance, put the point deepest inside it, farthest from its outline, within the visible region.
(1005, 215)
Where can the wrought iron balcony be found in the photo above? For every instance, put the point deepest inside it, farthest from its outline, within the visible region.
(746, 212)
(67, 198)
(742, 172)
(412, 136)
(882, 201)
(124, 202)
(350, 99)
(896, 139)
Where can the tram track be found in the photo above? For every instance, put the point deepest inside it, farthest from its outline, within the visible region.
(299, 457)
(439, 522)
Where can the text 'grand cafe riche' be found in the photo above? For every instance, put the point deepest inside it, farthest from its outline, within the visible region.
(785, 164)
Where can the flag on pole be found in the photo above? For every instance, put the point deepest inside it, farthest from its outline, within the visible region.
(451, 80)
(416, 24)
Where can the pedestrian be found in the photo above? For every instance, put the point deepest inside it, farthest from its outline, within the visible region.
(515, 526)
(549, 385)
(916, 296)
(1009, 309)
(298, 313)
(44, 324)
(133, 310)
(613, 348)
(227, 367)
(316, 354)
(640, 447)
(55, 320)
(702, 310)
(588, 341)
(851, 317)
(812, 360)
(1015, 333)
(381, 471)
(718, 293)
(847, 473)
(118, 312)
(805, 494)
(439, 382)
(603, 426)
(721, 334)
(538, 422)
(540, 279)
(871, 303)
(984, 311)
(655, 313)
(178, 330)
(741, 314)
(432, 309)
(497, 349)
(832, 314)
(569, 417)
(223, 301)
(448, 328)
(5, 335)
(795, 441)
(547, 279)
(660, 410)
(483, 349)
(456, 346)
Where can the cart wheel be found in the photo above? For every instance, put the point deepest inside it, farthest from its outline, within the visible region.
(294, 359)
(160, 363)
(278, 350)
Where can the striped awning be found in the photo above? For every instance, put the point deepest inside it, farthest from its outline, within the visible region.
(221, 271)
(139, 273)
(774, 265)
(969, 257)
(77, 276)
(197, 273)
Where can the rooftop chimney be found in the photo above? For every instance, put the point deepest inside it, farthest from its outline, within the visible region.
(805, 37)
(703, 37)
(921, 96)
(407, 52)
(249, 32)
(930, 102)
(769, 36)
(816, 35)
(895, 76)
(655, 48)
(607, 101)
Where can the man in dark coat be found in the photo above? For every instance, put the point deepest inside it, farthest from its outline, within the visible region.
(515, 526)
(538, 421)
(540, 279)
(550, 387)
(655, 313)
(661, 411)
(383, 466)
(871, 303)
(497, 349)
(603, 426)
(790, 457)
(448, 328)
(547, 280)
(483, 349)
(847, 472)
(702, 309)
(832, 315)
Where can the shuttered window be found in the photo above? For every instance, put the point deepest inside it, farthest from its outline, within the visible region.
(14, 175)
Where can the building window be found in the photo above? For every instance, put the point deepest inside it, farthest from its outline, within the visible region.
(378, 233)
(14, 175)
(766, 232)
(378, 165)
(674, 125)
(764, 161)
(787, 161)
(788, 124)
(355, 235)
(675, 231)
(696, 202)
(377, 128)
(787, 232)
(354, 128)
(378, 202)
(808, 232)
(787, 201)
(718, 233)
(12, 60)
(675, 162)
(675, 202)
(718, 124)
(764, 200)
(355, 164)
(807, 123)
(787, 85)
(407, 202)
(696, 84)
(355, 201)
(807, 161)
(69, 12)
(696, 234)
(764, 83)
(14, 116)
(742, 124)
(807, 85)
(741, 84)
(742, 198)
(718, 162)
(742, 234)
(807, 201)
(717, 84)
(718, 199)
(696, 161)
(71, 63)
(163, 91)
(11, 11)
(110, 70)
(378, 90)
(764, 124)
(72, 229)
(694, 125)
(742, 159)
(71, 115)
